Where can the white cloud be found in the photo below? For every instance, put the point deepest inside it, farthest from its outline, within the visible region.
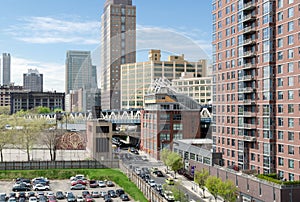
(54, 74)
(47, 30)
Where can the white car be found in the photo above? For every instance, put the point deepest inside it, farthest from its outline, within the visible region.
(32, 199)
(102, 184)
(40, 187)
(152, 183)
(80, 198)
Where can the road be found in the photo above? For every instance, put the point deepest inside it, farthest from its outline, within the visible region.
(133, 161)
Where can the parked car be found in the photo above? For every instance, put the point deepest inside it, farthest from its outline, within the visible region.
(89, 198)
(119, 192)
(79, 181)
(84, 193)
(158, 173)
(80, 198)
(52, 199)
(124, 197)
(20, 188)
(40, 180)
(60, 195)
(158, 187)
(95, 194)
(43, 199)
(3, 197)
(70, 197)
(110, 184)
(12, 199)
(32, 199)
(93, 184)
(107, 198)
(152, 183)
(170, 181)
(112, 193)
(41, 187)
(169, 196)
(103, 193)
(78, 187)
(101, 184)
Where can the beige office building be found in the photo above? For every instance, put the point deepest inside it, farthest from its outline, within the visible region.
(198, 88)
(137, 77)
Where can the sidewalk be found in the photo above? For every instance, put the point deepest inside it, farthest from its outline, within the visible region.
(190, 185)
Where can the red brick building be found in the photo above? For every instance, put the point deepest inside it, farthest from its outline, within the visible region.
(256, 93)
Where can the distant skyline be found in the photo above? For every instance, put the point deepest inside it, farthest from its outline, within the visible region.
(38, 35)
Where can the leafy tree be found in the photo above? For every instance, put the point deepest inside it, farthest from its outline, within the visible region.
(175, 161)
(5, 110)
(164, 156)
(179, 195)
(43, 110)
(200, 178)
(213, 185)
(5, 133)
(228, 191)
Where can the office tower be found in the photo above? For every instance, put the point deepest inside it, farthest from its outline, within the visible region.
(33, 81)
(6, 68)
(118, 40)
(137, 77)
(79, 71)
(256, 92)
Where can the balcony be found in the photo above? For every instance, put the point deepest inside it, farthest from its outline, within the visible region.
(249, 102)
(249, 18)
(249, 42)
(249, 6)
(249, 30)
(249, 114)
(249, 138)
(249, 54)
(248, 78)
(249, 66)
(249, 126)
(249, 90)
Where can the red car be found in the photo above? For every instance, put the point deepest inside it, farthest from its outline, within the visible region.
(89, 198)
(83, 182)
(93, 184)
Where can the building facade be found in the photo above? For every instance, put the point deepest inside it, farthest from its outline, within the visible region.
(136, 78)
(79, 71)
(118, 39)
(199, 88)
(33, 81)
(256, 85)
(29, 100)
(99, 139)
(166, 117)
(6, 68)
(5, 92)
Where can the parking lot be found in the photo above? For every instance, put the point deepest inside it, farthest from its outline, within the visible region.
(62, 185)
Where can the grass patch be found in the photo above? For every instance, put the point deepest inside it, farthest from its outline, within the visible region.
(99, 174)
(274, 178)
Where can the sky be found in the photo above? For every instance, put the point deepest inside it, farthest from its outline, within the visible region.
(38, 34)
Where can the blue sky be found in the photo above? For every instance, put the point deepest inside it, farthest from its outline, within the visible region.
(38, 34)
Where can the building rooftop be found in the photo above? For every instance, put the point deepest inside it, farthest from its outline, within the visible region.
(196, 141)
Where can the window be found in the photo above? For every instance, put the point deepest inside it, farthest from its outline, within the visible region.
(290, 94)
(290, 26)
(280, 43)
(280, 108)
(291, 163)
(291, 177)
(291, 122)
(280, 161)
(280, 55)
(280, 3)
(290, 53)
(280, 148)
(290, 12)
(280, 95)
(280, 16)
(280, 135)
(290, 67)
(177, 126)
(291, 81)
(291, 108)
(279, 69)
(280, 81)
(291, 1)
(280, 121)
(290, 39)
(291, 136)
(291, 150)
(280, 29)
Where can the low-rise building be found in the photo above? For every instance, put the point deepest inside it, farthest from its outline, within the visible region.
(5, 92)
(29, 100)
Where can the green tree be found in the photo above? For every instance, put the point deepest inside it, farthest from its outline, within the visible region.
(175, 162)
(164, 156)
(5, 133)
(179, 195)
(228, 191)
(213, 185)
(200, 178)
(5, 110)
(43, 110)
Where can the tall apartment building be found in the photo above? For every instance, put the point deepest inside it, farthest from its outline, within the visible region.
(79, 71)
(118, 37)
(256, 94)
(6, 68)
(136, 78)
(33, 81)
